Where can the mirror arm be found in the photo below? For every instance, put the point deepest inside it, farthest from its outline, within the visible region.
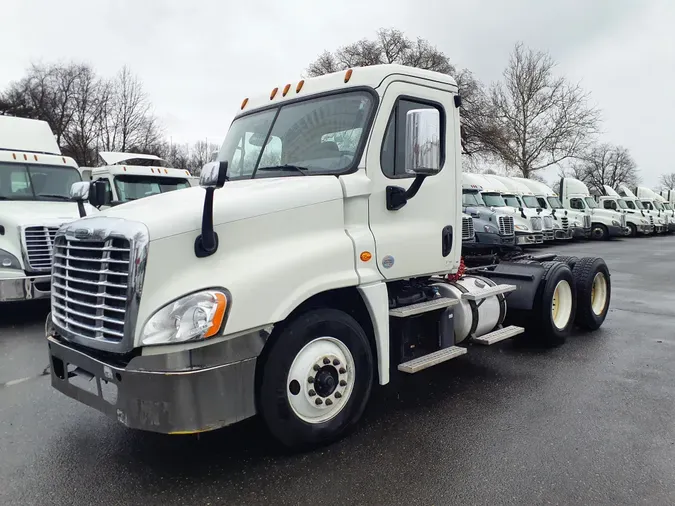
(398, 197)
(80, 208)
(206, 244)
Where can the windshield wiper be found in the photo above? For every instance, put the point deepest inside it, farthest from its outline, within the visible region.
(49, 196)
(301, 170)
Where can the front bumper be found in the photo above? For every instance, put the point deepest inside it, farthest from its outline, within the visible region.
(615, 231)
(494, 239)
(175, 393)
(671, 227)
(563, 235)
(25, 288)
(581, 233)
(528, 238)
(549, 235)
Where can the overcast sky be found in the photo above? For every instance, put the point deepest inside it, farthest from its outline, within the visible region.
(198, 59)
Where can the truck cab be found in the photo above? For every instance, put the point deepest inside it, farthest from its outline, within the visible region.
(529, 205)
(492, 227)
(652, 201)
(605, 224)
(636, 221)
(131, 176)
(568, 224)
(528, 228)
(35, 183)
(635, 204)
(318, 258)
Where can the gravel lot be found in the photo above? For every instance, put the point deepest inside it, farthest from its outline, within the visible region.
(592, 422)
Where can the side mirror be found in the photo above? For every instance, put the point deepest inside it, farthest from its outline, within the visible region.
(423, 141)
(97, 193)
(213, 175)
(79, 192)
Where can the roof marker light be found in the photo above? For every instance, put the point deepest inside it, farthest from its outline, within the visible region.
(25, 156)
(286, 88)
(274, 93)
(35, 156)
(299, 86)
(243, 104)
(14, 155)
(348, 75)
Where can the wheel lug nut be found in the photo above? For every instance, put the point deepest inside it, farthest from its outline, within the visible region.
(342, 370)
(316, 367)
(310, 379)
(318, 402)
(326, 361)
(343, 383)
(336, 362)
(311, 393)
(337, 396)
(329, 402)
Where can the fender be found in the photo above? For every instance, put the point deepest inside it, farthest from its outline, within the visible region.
(375, 296)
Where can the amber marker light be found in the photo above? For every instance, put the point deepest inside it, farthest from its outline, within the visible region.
(365, 256)
(218, 316)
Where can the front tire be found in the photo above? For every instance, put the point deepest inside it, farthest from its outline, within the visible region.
(632, 230)
(594, 291)
(599, 232)
(316, 379)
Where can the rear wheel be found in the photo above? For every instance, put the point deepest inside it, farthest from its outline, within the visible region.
(570, 261)
(555, 306)
(316, 379)
(599, 232)
(594, 291)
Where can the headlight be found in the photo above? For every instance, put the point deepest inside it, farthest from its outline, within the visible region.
(616, 223)
(575, 223)
(488, 228)
(556, 225)
(8, 261)
(524, 228)
(196, 316)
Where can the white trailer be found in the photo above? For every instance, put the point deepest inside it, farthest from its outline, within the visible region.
(35, 183)
(577, 222)
(604, 223)
(636, 220)
(293, 291)
(131, 176)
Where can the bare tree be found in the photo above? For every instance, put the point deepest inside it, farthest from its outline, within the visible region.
(392, 46)
(605, 165)
(542, 119)
(667, 181)
(200, 154)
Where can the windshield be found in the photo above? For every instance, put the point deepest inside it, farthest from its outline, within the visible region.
(471, 198)
(554, 202)
(622, 204)
(530, 201)
(638, 204)
(20, 181)
(658, 205)
(668, 206)
(317, 136)
(137, 187)
(493, 200)
(512, 201)
(590, 202)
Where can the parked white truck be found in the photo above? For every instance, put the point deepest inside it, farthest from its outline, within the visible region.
(604, 224)
(35, 182)
(634, 203)
(131, 176)
(636, 221)
(652, 201)
(572, 223)
(492, 227)
(291, 291)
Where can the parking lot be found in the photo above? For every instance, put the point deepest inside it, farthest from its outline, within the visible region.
(592, 422)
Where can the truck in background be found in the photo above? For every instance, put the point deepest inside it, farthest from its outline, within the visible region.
(577, 222)
(652, 201)
(636, 221)
(636, 204)
(670, 210)
(604, 224)
(131, 176)
(331, 264)
(35, 184)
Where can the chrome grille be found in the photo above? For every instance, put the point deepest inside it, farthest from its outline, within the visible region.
(651, 219)
(90, 281)
(536, 223)
(38, 243)
(467, 228)
(565, 222)
(506, 225)
(548, 222)
(587, 221)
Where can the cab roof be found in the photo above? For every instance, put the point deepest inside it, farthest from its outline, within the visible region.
(27, 135)
(371, 76)
(116, 158)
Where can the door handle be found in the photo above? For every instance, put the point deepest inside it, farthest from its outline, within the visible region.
(447, 240)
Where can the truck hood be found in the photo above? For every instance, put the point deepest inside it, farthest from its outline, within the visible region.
(15, 213)
(178, 212)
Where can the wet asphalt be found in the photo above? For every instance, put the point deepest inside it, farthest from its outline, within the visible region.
(592, 422)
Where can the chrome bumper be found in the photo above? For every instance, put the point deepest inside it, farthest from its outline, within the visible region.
(536, 238)
(25, 288)
(564, 235)
(549, 235)
(176, 393)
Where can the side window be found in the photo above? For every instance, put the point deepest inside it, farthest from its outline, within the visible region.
(609, 204)
(630, 204)
(576, 204)
(648, 205)
(392, 156)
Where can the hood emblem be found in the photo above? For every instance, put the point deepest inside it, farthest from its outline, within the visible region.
(83, 233)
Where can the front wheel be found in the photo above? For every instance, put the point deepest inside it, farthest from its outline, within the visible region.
(631, 231)
(599, 232)
(316, 379)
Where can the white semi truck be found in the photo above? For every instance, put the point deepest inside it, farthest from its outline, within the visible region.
(131, 176)
(650, 199)
(669, 210)
(605, 224)
(527, 204)
(573, 223)
(634, 203)
(291, 292)
(35, 182)
(492, 227)
(636, 221)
